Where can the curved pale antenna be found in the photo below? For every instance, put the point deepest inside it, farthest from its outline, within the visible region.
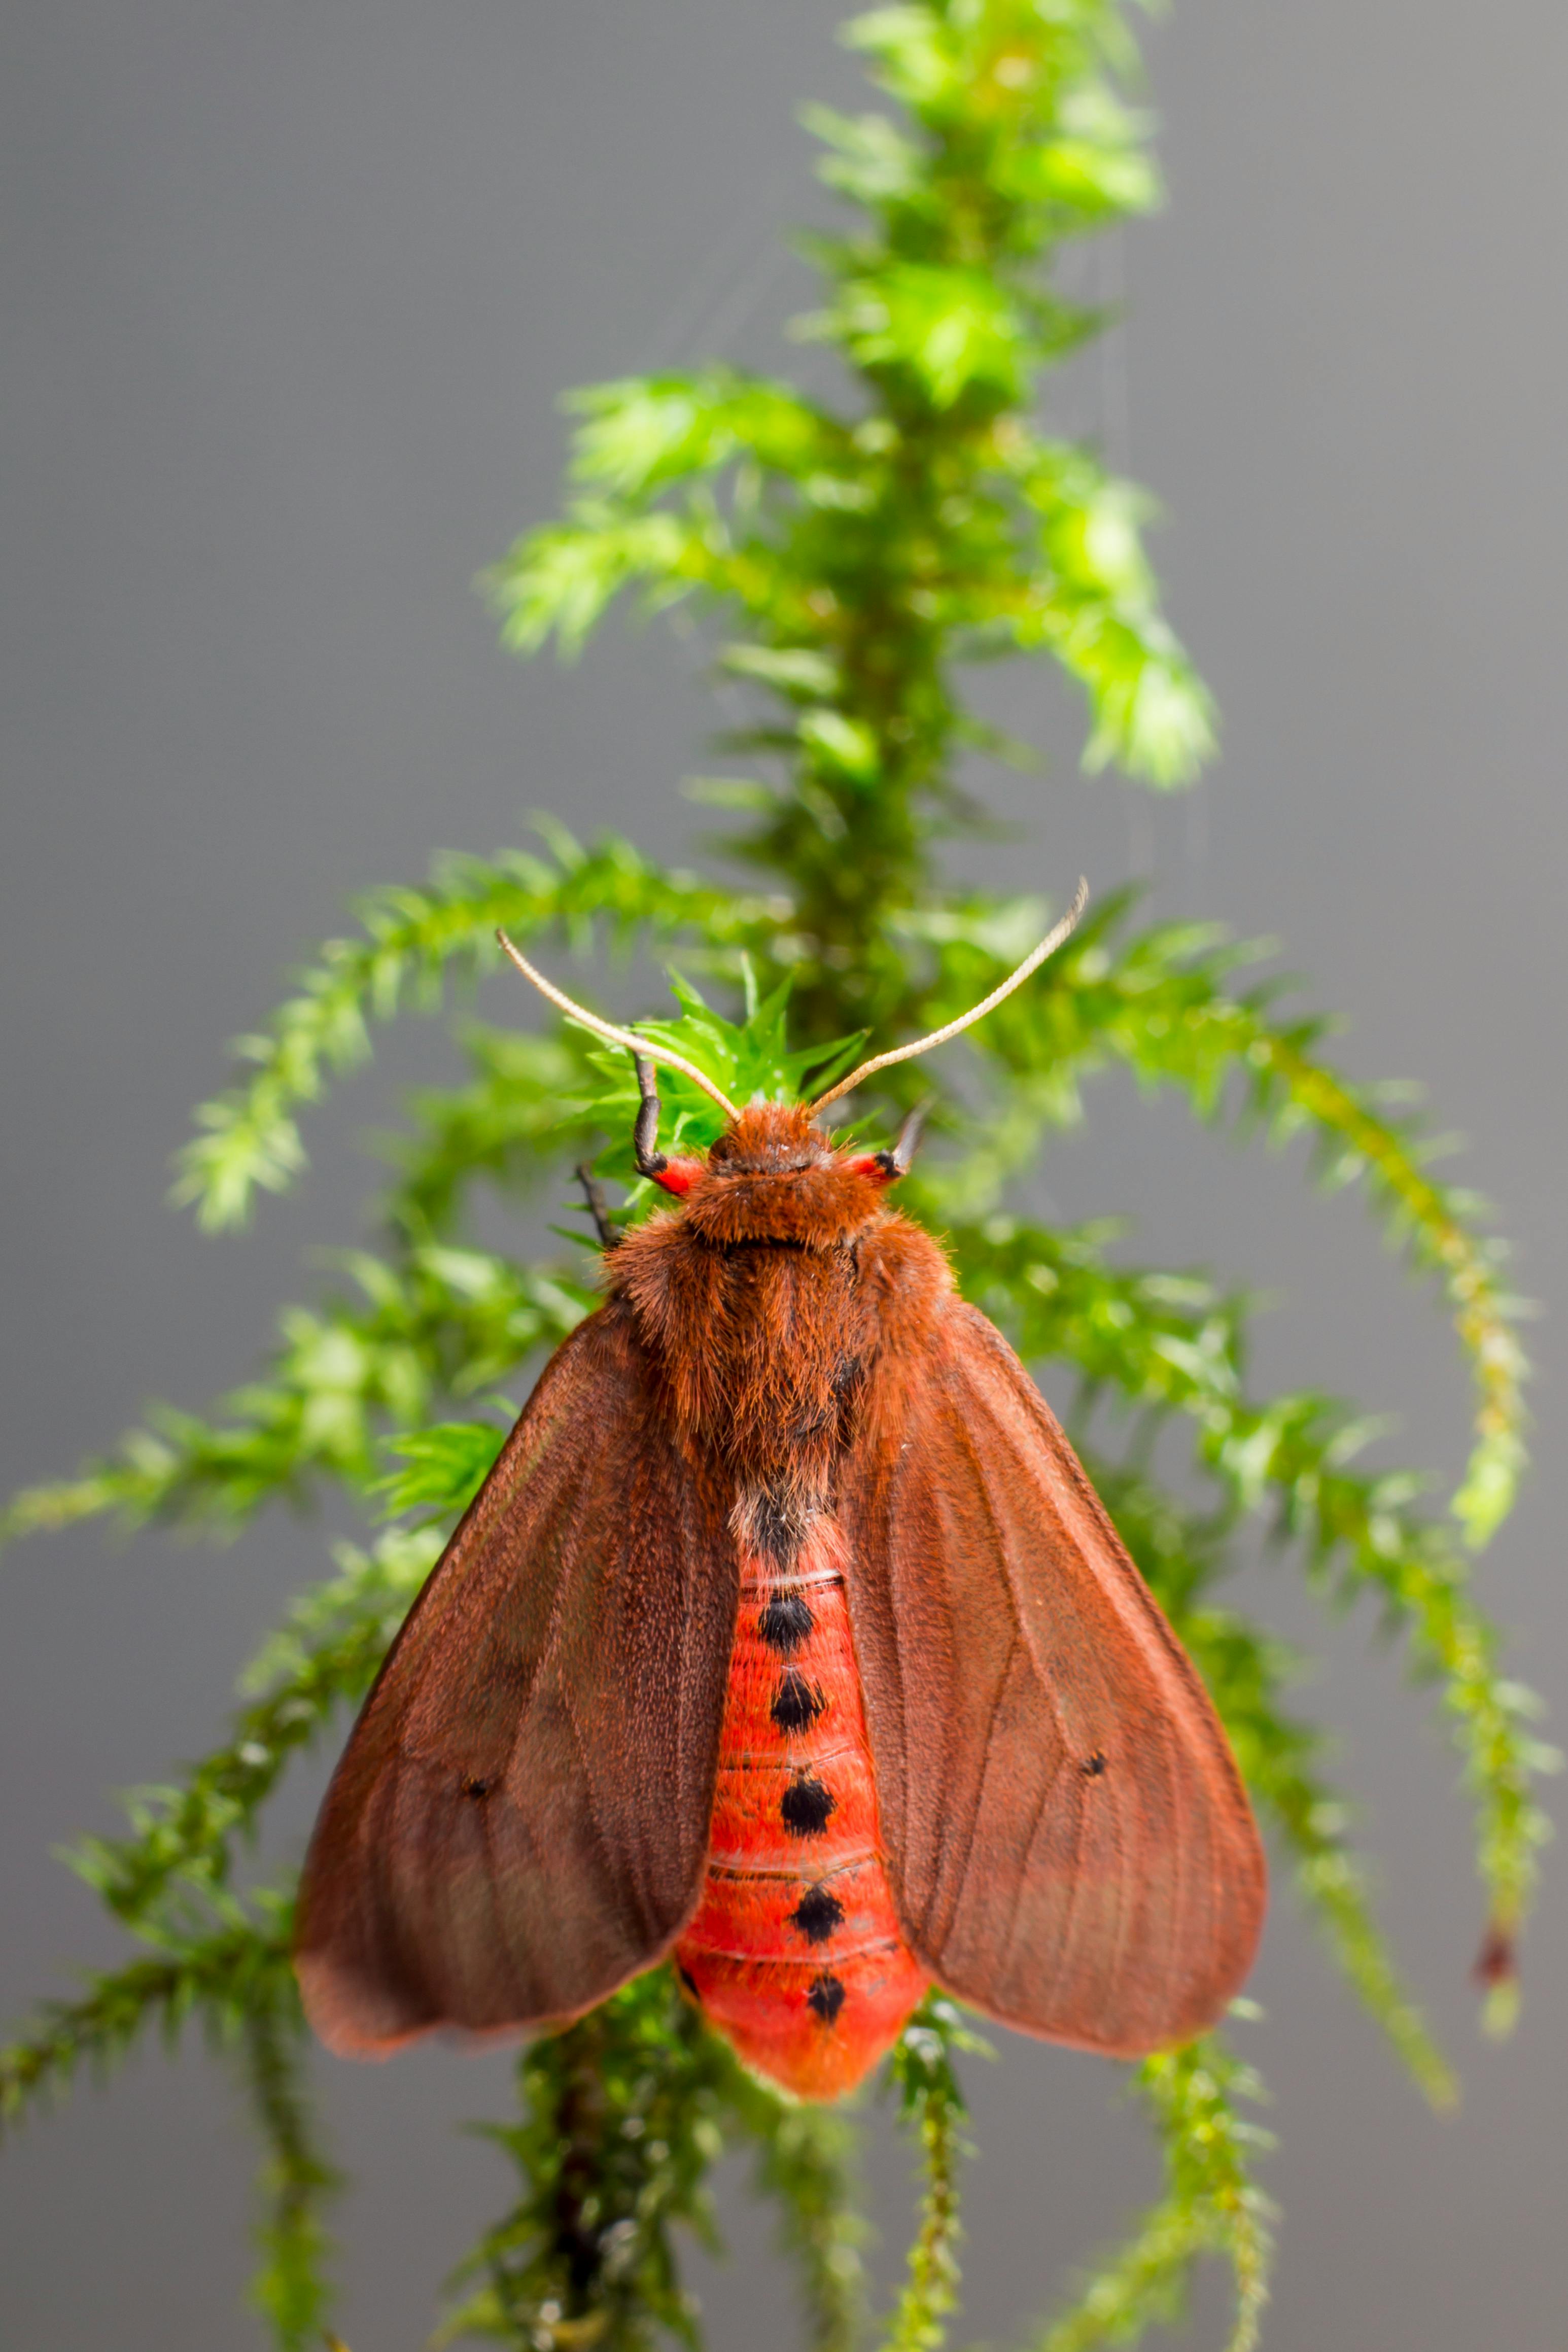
(643, 1046)
(1032, 963)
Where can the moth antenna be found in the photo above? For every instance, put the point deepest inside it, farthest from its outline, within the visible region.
(638, 1047)
(1031, 963)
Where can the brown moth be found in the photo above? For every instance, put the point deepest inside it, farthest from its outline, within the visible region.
(787, 1637)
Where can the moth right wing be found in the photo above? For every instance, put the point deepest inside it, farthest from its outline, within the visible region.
(521, 1821)
(1068, 1841)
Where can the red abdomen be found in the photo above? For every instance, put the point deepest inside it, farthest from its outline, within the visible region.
(795, 1953)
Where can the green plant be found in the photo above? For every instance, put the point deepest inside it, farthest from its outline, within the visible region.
(849, 558)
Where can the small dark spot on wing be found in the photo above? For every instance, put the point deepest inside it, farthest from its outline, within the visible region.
(473, 1786)
(1093, 1766)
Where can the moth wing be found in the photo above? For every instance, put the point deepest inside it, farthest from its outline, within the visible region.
(520, 1820)
(1070, 1846)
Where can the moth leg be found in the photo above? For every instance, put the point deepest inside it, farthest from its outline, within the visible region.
(650, 1161)
(906, 1143)
(609, 1234)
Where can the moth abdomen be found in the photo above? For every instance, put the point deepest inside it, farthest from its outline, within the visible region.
(795, 1951)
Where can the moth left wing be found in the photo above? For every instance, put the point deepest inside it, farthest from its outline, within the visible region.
(520, 1820)
(1070, 1846)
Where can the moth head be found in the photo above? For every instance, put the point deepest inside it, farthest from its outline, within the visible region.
(776, 1175)
(773, 1151)
(772, 1145)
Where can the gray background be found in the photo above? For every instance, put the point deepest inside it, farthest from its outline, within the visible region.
(289, 291)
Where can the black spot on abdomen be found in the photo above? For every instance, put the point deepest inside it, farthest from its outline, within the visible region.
(826, 1997)
(785, 1623)
(797, 1702)
(806, 1805)
(817, 1914)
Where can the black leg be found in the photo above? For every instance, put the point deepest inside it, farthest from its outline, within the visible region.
(907, 1142)
(609, 1234)
(650, 1161)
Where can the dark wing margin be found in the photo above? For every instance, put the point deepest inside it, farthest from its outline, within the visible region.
(520, 1820)
(1068, 1842)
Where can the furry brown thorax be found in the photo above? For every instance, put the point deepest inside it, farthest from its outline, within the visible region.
(766, 1292)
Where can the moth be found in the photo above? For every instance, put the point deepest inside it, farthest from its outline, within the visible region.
(787, 1637)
